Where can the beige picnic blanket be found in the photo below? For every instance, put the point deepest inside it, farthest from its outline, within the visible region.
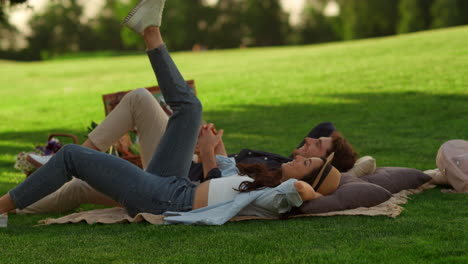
(390, 208)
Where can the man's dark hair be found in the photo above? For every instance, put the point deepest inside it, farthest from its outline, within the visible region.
(345, 156)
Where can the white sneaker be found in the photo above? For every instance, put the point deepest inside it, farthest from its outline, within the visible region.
(4, 220)
(146, 13)
(38, 161)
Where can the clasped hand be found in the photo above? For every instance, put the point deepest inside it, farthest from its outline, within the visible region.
(209, 138)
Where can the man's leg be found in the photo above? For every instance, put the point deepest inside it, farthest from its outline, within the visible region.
(138, 109)
(69, 197)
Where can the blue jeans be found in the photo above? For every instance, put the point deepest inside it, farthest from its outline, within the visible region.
(163, 186)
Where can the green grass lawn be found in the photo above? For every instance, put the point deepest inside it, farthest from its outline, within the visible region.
(397, 99)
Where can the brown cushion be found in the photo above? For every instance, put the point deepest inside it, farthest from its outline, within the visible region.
(395, 179)
(351, 193)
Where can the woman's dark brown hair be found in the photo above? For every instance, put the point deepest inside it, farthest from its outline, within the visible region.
(264, 177)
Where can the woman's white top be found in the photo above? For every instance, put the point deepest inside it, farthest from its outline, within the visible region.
(225, 188)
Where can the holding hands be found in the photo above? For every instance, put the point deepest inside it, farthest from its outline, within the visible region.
(210, 144)
(209, 137)
(210, 141)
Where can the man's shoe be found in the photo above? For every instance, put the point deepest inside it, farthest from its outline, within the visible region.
(146, 13)
(38, 161)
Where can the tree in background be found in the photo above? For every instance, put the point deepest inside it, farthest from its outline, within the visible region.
(368, 18)
(266, 22)
(185, 23)
(3, 17)
(107, 28)
(59, 29)
(3, 6)
(415, 15)
(7, 30)
(447, 13)
(62, 28)
(315, 26)
(226, 28)
(8, 34)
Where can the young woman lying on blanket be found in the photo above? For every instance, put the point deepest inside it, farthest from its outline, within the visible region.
(164, 185)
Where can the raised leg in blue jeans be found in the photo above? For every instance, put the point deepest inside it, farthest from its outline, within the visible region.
(164, 186)
(184, 124)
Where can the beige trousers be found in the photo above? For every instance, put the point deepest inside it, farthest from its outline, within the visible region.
(137, 110)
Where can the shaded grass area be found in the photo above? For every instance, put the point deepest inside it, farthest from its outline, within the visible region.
(397, 99)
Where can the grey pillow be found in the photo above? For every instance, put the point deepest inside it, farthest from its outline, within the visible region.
(395, 179)
(351, 193)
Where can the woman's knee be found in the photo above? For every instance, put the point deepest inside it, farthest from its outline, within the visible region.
(197, 105)
(70, 148)
(192, 107)
(71, 152)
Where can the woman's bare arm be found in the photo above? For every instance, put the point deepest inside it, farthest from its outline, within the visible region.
(207, 142)
(306, 191)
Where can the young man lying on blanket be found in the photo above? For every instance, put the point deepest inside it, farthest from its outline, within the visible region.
(138, 109)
